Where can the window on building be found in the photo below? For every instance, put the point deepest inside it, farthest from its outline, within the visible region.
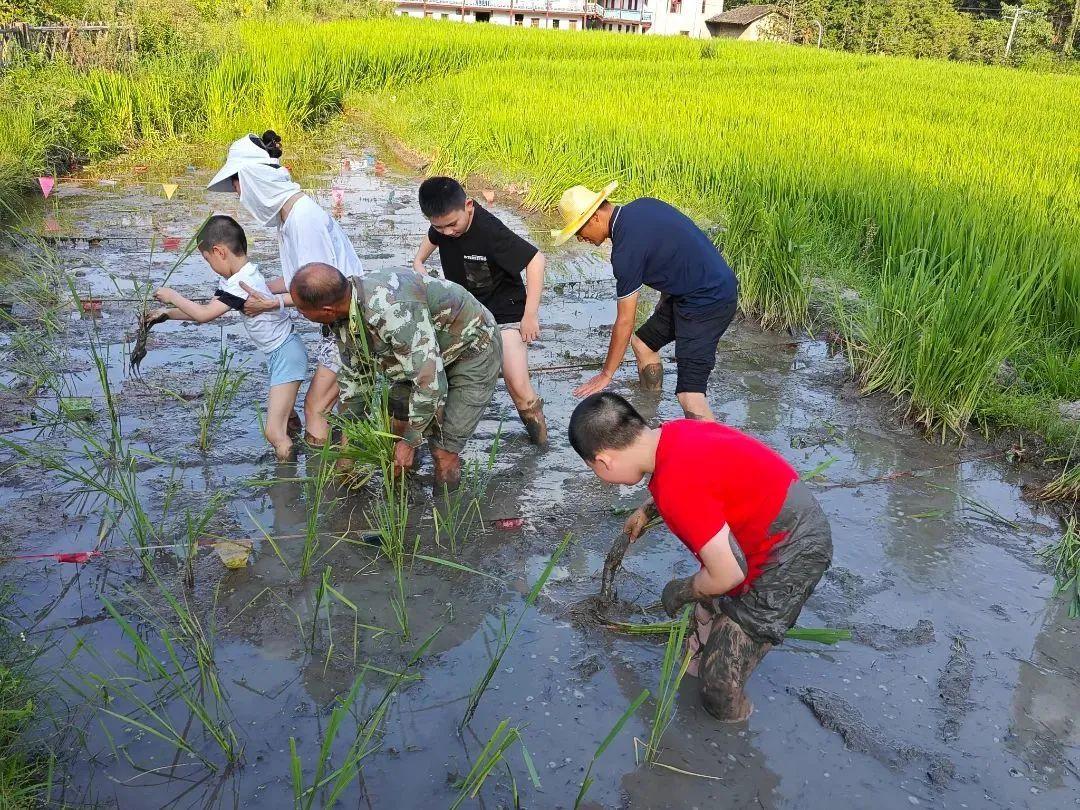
(676, 6)
(446, 16)
(573, 25)
(519, 19)
(483, 16)
(427, 15)
(535, 22)
(554, 23)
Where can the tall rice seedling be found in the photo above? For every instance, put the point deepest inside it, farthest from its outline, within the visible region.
(390, 516)
(672, 670)
(587, 782)
(218, 396)
(489, 758)
(506, 635)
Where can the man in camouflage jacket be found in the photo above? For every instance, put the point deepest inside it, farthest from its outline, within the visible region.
(430, 337)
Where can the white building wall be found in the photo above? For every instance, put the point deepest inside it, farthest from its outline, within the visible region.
(537, 17)
(688, 21)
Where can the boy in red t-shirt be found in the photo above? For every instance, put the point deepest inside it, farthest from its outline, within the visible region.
(761, 537)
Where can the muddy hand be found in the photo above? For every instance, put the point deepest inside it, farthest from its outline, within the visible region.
(154, 317)
(677, 593)
(404, 453)
(636, 524)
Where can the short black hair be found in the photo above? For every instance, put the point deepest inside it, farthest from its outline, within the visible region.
(604, 421)
(441, 195)
(222, 230)
(317, 285)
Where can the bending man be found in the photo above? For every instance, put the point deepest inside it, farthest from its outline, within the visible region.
(654, 245)
(739, 507)
(431, 338)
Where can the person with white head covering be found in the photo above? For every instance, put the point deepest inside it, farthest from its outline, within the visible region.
(306, 234)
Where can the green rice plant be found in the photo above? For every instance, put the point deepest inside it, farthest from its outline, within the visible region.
(672, 669)
(1063, 557)
(506, 634)
(367, 437)
(316, 486)
(327, 785)
(165, 679)
(489, 758)
(390, 516)
(821, 635)
(939, 351)
(587, 782)
(765, 243)
(1066, 487)
(218, 396)
(458, 512)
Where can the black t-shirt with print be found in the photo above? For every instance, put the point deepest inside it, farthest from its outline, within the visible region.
(487, 260)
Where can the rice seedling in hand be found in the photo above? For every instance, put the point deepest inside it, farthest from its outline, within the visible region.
(1063, 557)
(506, 634)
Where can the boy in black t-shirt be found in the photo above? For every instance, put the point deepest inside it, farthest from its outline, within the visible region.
(485, 257)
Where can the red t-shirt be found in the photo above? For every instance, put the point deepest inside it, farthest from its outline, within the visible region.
(708, 474)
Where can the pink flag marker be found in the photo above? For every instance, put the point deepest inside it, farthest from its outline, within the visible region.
(51, 225)
(338, 195)
(171, 242)
(46, 184)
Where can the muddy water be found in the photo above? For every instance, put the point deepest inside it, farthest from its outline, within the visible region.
(960, 690)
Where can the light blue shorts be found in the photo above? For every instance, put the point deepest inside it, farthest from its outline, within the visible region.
(288, 362)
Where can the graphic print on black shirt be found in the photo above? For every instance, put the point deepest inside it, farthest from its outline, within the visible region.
(487, 260)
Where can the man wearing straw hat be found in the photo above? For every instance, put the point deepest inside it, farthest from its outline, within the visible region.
(655, 245)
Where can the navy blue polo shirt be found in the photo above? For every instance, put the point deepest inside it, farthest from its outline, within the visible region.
(659, 246)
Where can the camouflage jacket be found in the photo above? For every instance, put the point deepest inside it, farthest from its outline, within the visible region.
(410, 327)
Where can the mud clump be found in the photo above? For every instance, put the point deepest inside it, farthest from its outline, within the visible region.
(885, 638)
(836, 714)
(842, 592)
(612, 562)
(954, 687)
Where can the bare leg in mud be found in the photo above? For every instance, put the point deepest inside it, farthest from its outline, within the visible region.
(729, 657)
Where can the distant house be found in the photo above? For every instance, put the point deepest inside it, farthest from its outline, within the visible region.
(748, 23)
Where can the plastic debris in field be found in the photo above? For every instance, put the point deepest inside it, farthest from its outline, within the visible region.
(169, 189)
(234, 553)
(170, 242)
(509, 524)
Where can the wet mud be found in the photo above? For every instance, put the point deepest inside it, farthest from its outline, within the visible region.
(838, 715)
(954, 688)
(877, 721)
(885, 638)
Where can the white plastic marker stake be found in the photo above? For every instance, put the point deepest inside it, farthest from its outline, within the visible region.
(46, 184)
(169, 189)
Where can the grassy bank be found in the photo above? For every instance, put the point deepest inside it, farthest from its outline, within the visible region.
(947, 195)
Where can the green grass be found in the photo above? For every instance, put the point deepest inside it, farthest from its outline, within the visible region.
(1063, 557)
(219, 393)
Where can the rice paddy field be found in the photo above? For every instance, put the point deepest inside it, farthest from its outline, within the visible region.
(192, 624)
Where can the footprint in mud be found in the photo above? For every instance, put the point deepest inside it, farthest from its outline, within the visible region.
(954, 687)
(886, 639)
(836, 714)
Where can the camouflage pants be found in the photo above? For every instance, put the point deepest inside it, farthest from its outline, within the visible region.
(733, 633)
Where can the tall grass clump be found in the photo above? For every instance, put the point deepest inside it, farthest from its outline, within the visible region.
(219, 393)
(1063, 557)
(672, 669)
(937, 334)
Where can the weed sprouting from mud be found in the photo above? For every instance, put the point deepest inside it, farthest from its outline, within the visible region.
(586, 783)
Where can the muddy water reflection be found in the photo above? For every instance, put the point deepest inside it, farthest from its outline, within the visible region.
(907, 551)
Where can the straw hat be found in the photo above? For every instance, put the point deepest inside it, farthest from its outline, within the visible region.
(576, 206)
(243, 150)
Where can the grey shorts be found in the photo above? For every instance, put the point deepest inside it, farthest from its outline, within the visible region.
(470, 384)
(772, 605)
(327, 354)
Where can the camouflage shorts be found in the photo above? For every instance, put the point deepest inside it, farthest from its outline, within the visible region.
(793, 569)
(470, 382)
